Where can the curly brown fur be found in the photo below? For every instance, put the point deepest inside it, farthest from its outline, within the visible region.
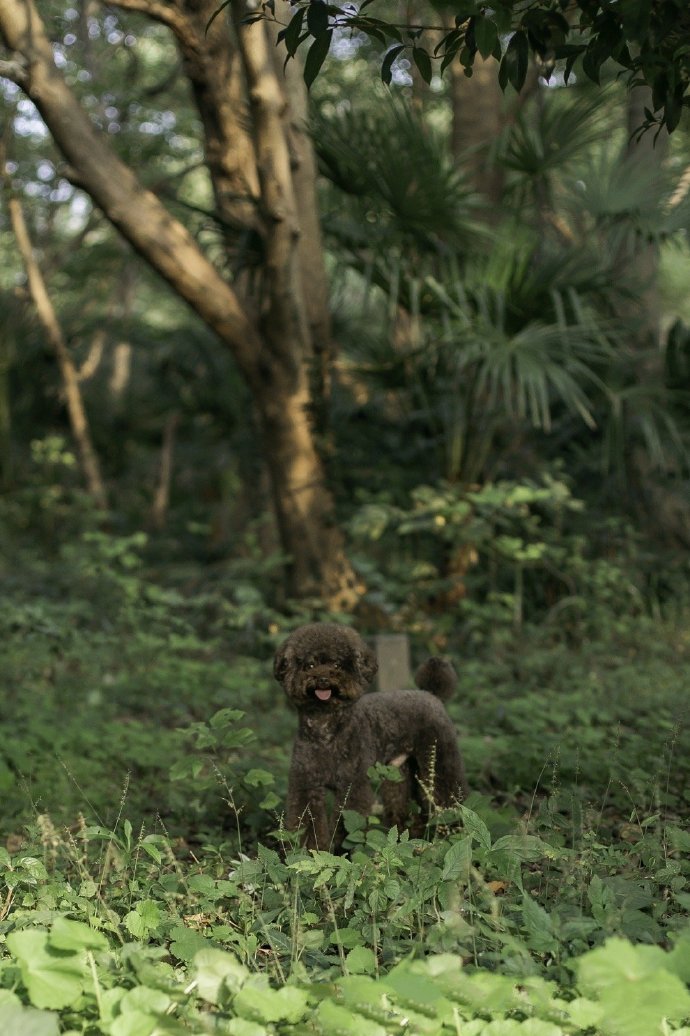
(324, 669)
(438, 677)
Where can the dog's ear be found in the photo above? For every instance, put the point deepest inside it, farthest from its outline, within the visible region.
(367, 664)
(283, 660)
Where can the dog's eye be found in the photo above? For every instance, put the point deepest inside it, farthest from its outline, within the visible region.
(310, 665)
(336, 665)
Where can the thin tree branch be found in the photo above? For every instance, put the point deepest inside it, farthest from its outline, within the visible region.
(68, 372)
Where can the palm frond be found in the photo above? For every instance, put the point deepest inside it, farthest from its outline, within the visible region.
(634, 192)
(560, 126)
(389, 156)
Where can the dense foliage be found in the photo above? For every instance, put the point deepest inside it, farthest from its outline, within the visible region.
(645, 38)
(148, 885)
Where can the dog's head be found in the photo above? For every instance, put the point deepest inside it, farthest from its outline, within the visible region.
(324, 666)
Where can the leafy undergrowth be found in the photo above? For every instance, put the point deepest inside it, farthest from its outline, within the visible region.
(147, 887)
(462, 934)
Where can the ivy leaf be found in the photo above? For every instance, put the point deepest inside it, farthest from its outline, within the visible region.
(316, 55)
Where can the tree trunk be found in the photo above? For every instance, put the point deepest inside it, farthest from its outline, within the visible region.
(272, 337)
(68, 372)
(643, 265)
(478, 110)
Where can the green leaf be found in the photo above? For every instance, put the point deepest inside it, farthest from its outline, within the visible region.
(259, 1002)
(225, 718)
(243, 1027)
(52, 978)
(17, 1020)
(513, 68)
(317, 17)
(291, 34)
(256, 778)
(334, 1020)
(387, 63)
(361, 961)
(143, 998)
(134, 1023)
(526, 848)
(457, 860)
(144, 919)
(475, 826)
(538, 925)
(217, 971)
(485, 36)
(316, 55)
(423, 63)
(185, 943)
(75, 935)
(633, 986)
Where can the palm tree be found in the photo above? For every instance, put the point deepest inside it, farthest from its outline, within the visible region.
(480, 333)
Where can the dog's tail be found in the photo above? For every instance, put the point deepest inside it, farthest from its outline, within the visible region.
(437, 677)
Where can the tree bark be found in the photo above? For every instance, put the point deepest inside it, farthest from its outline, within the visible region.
(271, 338)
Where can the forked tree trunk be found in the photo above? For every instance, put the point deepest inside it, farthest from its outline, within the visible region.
(274, 338)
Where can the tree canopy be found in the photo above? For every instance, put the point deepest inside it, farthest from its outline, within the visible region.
(649, 40)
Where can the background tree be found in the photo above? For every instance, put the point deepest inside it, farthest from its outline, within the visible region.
(275, 322)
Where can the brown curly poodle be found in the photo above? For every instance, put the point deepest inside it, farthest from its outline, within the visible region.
(324, 669)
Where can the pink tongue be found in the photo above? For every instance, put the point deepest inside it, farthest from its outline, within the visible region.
(323, 693)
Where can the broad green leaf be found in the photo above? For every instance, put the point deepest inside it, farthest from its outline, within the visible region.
(475, 826)
(678, 959)
(17, 1020)
(257, 778)
(216, 970)
(185, 943)
(457, 859)
(52, 978)
(243, 1027)
(632, 985)
(526, 848)
(361, 961)
(538, 926)
(134, 1023)
(145, 999)
(334, 1020)
(75, 935)
(258, 1002)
